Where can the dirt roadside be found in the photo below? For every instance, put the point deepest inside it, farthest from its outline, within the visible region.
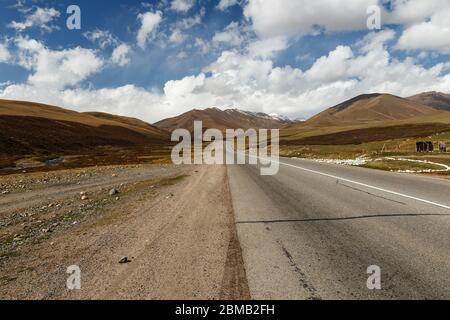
(175, 224)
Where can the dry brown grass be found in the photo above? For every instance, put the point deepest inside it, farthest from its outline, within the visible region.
(371, 108)
(43, 111)
(358, 136)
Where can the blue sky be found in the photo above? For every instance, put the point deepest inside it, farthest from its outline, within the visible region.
(151, 67)
(154, 59)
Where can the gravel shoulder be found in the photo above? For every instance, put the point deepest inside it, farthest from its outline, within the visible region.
(174, 223)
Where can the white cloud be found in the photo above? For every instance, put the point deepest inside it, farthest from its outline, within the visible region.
(177, 37)
(247, 79)
(230, 36)
(182, 55)
(149, 22)
(414, 11)
(5, 84)
(298, 17)
(127, 100)
(4, 53)
(181, 88)
(20, 6)
(266, 48)
(102, 37)
(253, 83)
(189, 22)
(374, 40)
(120, 55)
(41, 18)
(202, 45)
(430, 35)
(182, 5)
(331, 68)
(426, 23)
(56, 69)
(225, 4)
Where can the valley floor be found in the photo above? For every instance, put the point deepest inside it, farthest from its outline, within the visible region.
(175, 225)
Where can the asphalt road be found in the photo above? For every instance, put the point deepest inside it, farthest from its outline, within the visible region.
(312, 230)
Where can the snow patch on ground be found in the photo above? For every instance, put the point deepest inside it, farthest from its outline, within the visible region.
(444, 166)
(362, 160)
(349, 162)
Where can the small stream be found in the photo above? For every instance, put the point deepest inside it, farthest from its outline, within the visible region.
(23, 165)
(54, 161)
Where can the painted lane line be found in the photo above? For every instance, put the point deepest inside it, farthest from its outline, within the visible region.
(360, 184)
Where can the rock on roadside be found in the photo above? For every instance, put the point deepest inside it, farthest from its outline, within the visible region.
(124, 260)
(113, 192)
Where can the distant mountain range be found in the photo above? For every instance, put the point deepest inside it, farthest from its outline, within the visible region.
(373, 117)
(369, 108)
(437, 100)
(28, 128)
(360, 110)
(224, 119)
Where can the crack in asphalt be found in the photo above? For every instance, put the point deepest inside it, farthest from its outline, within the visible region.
(369, 193)
(345, 218)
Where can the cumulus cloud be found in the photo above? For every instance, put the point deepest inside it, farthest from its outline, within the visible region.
(266, 48)
(126, 100)
(426, 23)
(298, 17)
(253, 82)
(41, 17)
(4, 53)
(53, 68)
(375, 40)
(231, 35)
(177, 37)
(225, 4)
(182, 5)
(332, 67)
(103, 38)
(120, 55)
(149, 22)
(181, 88)
(408, 12)
(433, 34)
(245, 75)
(203, 45)
(189, 22)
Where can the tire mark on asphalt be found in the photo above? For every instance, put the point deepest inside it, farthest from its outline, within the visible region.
(301, 275)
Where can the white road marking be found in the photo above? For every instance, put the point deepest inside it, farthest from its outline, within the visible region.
(361, 184)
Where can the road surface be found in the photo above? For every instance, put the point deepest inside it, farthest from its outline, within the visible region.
(312, 230)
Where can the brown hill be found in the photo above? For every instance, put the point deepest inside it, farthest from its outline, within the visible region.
(370, 134)
(128, 121)
(32, 128)
(218, 119)
(370, 108)
(437, 100)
